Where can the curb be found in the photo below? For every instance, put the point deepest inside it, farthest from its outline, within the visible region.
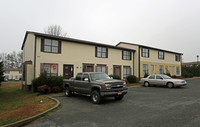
(135, 86)
(32, 118)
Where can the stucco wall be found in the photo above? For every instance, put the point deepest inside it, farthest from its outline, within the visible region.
(77, 54)
(135, 47)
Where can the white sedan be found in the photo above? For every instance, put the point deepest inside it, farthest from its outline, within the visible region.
(161, 79)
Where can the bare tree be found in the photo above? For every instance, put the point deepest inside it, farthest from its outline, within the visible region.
(55, 30)
(12, 60)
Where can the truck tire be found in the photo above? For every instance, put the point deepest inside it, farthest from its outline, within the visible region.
(96, 98)
(68, 93)
(119, 97)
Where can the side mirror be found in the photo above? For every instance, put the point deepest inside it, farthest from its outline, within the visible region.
(86, 79)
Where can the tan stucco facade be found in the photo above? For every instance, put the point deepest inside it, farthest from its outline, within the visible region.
(78, 53)
(169, 62)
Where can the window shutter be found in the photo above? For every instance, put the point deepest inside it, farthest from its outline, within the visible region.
(122, 54)
(130, 55)
(42, 45)
(59, 46)
(148, 53)
(142, 52)
(41, 67)
(95, 68)
(96, 51)
(106, 69)
(106, 52)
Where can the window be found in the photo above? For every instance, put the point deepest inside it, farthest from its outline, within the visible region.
(145, 52)
(101, 68)
(178, 58)
(126, 55)
(7, 72)
(20, 72)
(51, 69)
(161, 69)
(85, 76)
(152, 77)
(127, 71)
(49, 45)
(158, 77)
(145, 69)
(101, 52)
(78, 76)
(177, 70)
(161, 55)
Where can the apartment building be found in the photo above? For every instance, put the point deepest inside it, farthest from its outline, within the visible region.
(150, 60)
(67, 57)
(12, 74)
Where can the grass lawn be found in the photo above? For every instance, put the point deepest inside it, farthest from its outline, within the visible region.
(16, 104)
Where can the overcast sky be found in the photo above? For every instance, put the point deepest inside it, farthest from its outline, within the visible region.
(167, 24)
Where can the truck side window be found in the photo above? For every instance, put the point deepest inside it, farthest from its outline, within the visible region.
(85, 76)
(78, 76)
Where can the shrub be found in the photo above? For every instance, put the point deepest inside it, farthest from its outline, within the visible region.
(131, 78)
(115, 76)
(174, 76)
(44, 89)
(50, 81)
(56, 89)
(168, 74)
(146, 75)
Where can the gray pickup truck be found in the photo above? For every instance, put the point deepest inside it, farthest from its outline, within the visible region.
(95, 84)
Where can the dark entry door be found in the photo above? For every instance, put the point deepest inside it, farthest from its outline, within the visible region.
(88, 67)
(117, 70)
(68, 71)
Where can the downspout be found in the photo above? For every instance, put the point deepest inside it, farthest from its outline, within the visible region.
(139, 62)
(35, 58)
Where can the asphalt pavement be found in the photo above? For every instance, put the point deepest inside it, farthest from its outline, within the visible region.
(141, 107)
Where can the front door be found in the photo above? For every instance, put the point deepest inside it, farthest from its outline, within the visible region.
(88, 67)
(117, 70)
(68, 71)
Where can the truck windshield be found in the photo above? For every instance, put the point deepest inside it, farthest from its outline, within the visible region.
(99, 76)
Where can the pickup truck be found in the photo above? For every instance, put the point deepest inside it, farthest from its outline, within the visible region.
(95, 84)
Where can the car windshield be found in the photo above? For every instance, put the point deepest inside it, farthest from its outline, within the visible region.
(166, 77)
(99, 76)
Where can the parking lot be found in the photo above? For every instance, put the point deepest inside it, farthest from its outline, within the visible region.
(141, 107)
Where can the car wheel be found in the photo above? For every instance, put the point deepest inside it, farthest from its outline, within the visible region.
(170, 85)
(146, 84)
(96, 98)
(68, 93)
(119, 97)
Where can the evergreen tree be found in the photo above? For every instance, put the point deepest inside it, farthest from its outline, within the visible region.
(1, 72)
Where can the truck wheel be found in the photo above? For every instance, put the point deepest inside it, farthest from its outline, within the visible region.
(119, 97)
(68, 93)
(96, 98)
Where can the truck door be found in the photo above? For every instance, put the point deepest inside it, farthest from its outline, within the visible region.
(86, 84)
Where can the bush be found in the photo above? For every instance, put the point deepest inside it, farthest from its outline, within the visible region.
(174, 76)
(56, 89)
(168, 74)
(115, 77)
(146, 75)
(131, 78)
(50, 81)
(44, 89)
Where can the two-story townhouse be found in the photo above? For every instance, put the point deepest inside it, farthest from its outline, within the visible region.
(11, 74)
(150, 60)
(67, 56)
